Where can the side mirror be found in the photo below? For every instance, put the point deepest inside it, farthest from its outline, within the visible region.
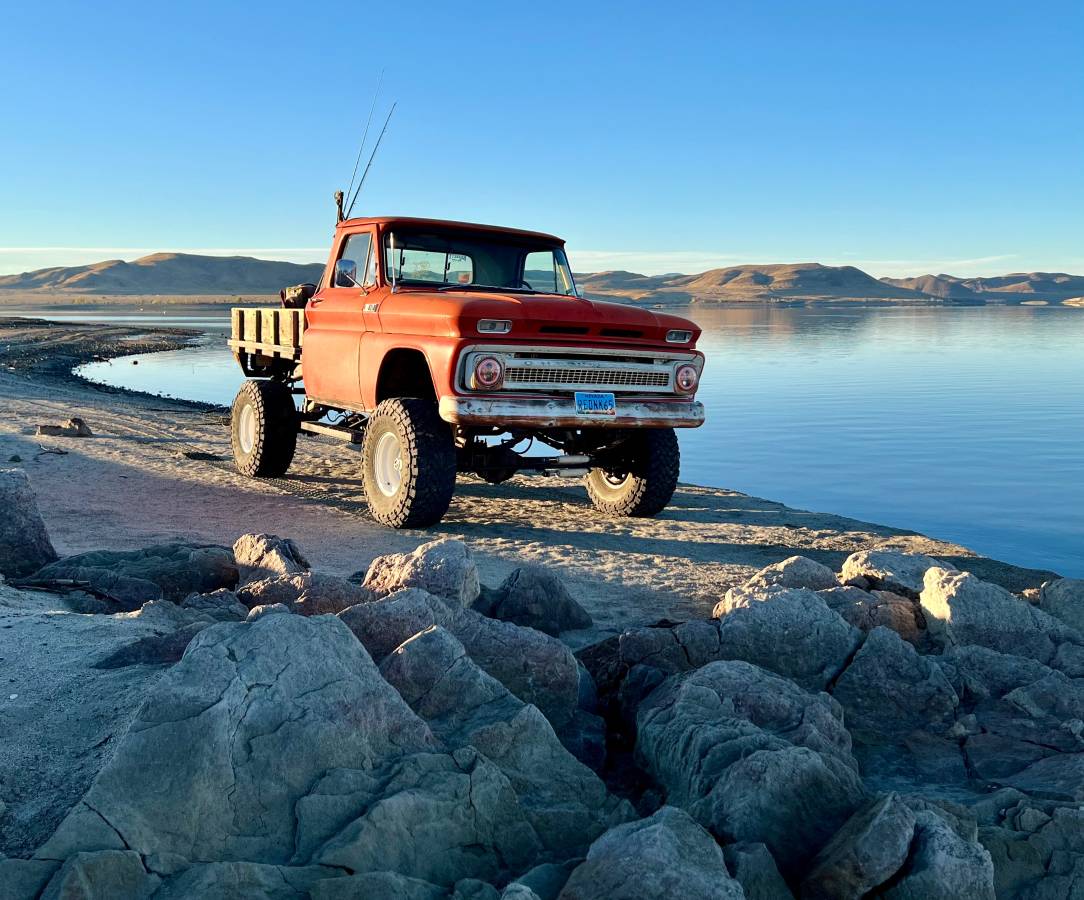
(346, 273)
(580, 292)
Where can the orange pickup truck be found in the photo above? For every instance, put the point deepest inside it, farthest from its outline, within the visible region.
(444, 347)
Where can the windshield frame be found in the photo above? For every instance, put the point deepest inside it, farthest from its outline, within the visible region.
(527, 246)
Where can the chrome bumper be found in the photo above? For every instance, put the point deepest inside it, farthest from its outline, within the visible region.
(561, 413)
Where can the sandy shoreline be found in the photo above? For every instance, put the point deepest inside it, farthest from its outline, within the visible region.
(160, 470)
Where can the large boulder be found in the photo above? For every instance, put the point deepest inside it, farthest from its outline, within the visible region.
(1037, 847)
(24, 543)
(221, 605)
(943, 865)
(535, 597)
(960, 609)
(889, 690)
(752, 757)
(102, 876)
(790, 631)
(230, 880)
(666, 855)
(888, 570)
(308, 594)
(261, 556)
(793, 572)
(866, 610)
(566, 803)
(130, 578)
(444, 568)
(231, 737)
(384, 624)
(1064, 599)
(755, 870)
(431, 816)
(864, 854)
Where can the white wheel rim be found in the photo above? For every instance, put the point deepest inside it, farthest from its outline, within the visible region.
(615, 481)
(246, 428)
(388, 464)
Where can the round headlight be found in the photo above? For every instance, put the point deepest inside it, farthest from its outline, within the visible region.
(686, 378)
(488, 372)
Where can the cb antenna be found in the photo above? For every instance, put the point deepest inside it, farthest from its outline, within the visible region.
(371, 158)
(364, 138)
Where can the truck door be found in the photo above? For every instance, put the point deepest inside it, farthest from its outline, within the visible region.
(337, 322)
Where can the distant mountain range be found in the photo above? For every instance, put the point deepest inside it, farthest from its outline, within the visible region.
(190, 274)
(168, 273)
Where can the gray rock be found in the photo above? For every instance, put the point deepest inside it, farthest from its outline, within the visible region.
(133, 577)
(1037, 847)
(536, 598)
(444, 568)
(267, 609)
(24, 543)
(960, 609)
(431, 816)
(24, 879)
(165, 615)
(565, 802)
(793, 572)
(547, 880)
(307, 594)
(261, 556)
(376, 886)
(888, 570)
(231, 737)
(943, 866)
(236, 880)
(666, 855)
(383, 625)
(790, 631)
(105, 875)
(73, 427)
(756, 871)
(865, 853)
(1064, 599)
(752, 757)
(889, 690)
(152, 650)
(866, 610)
(221, 605)
(518, 891)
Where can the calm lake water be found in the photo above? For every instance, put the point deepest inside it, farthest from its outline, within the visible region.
(964, 423)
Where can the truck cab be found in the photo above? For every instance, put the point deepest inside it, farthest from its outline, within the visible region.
(444, 347)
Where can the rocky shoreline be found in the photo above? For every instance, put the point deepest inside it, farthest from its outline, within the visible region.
(899, 728)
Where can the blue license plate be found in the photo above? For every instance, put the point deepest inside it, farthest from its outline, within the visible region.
(595, 403)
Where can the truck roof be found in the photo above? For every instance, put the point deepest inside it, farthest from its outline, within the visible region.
(447, 223)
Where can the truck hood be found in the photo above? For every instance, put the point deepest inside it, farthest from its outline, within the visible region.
(547, 317)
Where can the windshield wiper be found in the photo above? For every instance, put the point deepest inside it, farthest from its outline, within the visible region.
(485, 287)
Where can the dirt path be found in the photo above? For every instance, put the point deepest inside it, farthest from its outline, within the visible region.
(136, 482)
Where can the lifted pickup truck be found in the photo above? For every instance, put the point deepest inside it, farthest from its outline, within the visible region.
(442, 347)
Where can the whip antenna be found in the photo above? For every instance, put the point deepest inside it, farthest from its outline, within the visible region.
(365, 134)
(371, 158)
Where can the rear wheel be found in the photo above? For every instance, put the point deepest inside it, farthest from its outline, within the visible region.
(641, 480)
(263, 429)
(408, 463)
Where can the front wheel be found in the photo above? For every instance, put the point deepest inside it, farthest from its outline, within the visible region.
(408, 463)
(642, 480)
(263, 429)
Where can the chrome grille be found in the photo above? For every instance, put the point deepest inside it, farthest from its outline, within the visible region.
(602, 377)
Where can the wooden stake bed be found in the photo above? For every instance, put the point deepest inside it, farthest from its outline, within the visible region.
(268, 331)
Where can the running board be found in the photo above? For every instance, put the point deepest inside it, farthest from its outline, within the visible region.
(339, 432)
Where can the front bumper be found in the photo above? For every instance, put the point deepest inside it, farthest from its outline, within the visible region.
(553, 412)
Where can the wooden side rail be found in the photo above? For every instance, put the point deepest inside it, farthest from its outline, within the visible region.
(267, 331)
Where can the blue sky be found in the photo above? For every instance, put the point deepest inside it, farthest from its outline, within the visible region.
(903, 138)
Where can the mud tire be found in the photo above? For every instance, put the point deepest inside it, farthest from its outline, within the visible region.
(650, 475)
(427, 463)
(263, 429)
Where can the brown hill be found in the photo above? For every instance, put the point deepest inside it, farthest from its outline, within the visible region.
(1018, 285)
(811, 281)
(168, 273)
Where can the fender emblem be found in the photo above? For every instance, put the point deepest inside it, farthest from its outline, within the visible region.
(372, 307)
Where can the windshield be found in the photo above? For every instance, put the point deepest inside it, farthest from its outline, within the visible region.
(466, 261)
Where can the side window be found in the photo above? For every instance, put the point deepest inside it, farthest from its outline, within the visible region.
(540, 272)
(353, 263)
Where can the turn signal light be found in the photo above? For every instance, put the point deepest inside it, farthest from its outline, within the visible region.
(488, 373)
(677, 336)
(686, 379)
(494, 326)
